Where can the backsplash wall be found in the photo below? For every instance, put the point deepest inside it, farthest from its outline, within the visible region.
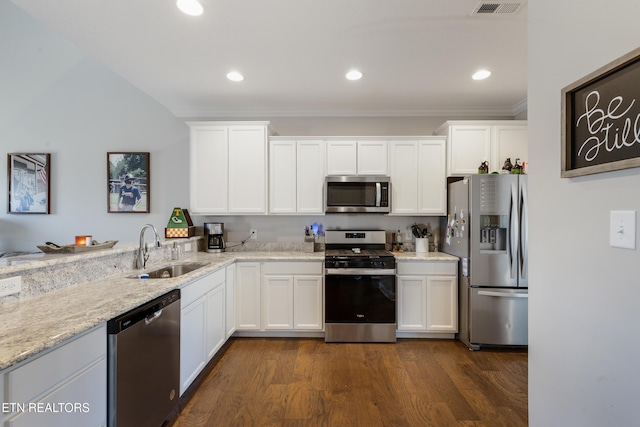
(290, 228)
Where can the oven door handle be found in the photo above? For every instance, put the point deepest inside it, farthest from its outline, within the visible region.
(359, 272)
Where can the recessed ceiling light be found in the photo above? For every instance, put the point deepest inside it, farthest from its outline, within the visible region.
(235, 76)
(481, 74)
(354, 75)
(190, 7)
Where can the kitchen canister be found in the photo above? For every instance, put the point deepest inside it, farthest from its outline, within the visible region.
(422, 245)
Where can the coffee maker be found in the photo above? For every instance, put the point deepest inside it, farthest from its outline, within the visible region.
(213, 234)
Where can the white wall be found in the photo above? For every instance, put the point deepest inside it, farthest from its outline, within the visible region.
(584, 319)
(57, 100)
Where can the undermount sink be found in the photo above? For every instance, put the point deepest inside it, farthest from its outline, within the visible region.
(174, 270)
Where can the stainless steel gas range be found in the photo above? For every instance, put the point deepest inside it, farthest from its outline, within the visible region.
(360, 287)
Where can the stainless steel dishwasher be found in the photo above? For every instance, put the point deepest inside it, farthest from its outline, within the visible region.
(144, 363)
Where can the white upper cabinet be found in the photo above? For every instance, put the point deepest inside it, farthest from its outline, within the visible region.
(418, 176)
(342, 157)
(472, 142)
(509, 142)
(372, 157)
(228, 170)
(357, 156)
(248, 170)
(296, 176)
(209, 170)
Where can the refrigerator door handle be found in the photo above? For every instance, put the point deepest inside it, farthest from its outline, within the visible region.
(524, 232)
(515, 232)
(503, 294)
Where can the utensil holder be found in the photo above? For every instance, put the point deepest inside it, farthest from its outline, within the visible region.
(422, 245)
(309, 244)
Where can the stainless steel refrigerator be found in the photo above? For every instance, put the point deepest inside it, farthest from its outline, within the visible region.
(486, 227)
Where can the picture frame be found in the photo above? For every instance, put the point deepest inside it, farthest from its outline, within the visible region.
(601, 119)
(128, 182)
(29, 183)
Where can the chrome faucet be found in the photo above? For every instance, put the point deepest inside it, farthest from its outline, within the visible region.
(143, 252)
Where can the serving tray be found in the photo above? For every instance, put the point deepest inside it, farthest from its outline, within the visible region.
(73, 249)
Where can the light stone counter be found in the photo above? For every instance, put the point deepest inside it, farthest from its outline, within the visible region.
(31, 325)
(34, 324)
(429, 256)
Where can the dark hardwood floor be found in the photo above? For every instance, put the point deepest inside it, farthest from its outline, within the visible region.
(306, 382)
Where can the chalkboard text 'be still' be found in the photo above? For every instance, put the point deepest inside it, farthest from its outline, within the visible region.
(604, 128)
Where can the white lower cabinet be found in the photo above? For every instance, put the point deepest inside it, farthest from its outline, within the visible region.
(66, 386)
(427, 297)
(308, 302)
(280, 296)
(248, 296)
(202, 324)
(230, 297)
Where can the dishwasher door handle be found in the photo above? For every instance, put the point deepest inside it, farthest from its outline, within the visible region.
(152, 317)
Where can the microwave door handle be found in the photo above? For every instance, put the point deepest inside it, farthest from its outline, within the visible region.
(378, 194)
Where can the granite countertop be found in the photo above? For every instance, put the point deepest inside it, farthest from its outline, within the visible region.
(38, 323)
(428, 256)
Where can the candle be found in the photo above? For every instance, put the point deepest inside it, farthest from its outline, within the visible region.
(83, 240)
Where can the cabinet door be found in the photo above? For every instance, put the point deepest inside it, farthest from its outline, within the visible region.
(208, 174)
(230, 296)
(192, 341)
(278, 302)
(432, 178)
(307, 302)
(248, 295)
(310, 177)
(403, 171)
(412, 300)
(509, 142)
(88, 389)
(341, 157)
(247, 170)
(469, 146)
(442, 303)
(372, 158)
(282, 177)
(215, 320)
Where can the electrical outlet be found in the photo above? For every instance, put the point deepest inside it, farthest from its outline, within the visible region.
(254, 234)
(10, 286)
(187, 247)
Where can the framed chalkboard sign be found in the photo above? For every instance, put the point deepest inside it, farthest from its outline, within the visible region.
(601, 119)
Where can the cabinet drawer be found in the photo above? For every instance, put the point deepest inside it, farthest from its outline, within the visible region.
(292, 268)
(200, 287)
(44, 372)
(427, 268)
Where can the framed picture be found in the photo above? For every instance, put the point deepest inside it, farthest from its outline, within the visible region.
(29, 184)
(128, 183)
(601, 119)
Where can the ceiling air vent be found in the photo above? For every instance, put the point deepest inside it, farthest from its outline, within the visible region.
(485, 8)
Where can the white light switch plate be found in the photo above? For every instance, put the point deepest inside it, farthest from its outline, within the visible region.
(622, 231)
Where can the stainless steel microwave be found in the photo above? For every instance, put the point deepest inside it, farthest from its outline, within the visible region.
(357, 194)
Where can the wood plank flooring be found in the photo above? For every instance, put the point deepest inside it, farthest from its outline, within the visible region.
(306, 382)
